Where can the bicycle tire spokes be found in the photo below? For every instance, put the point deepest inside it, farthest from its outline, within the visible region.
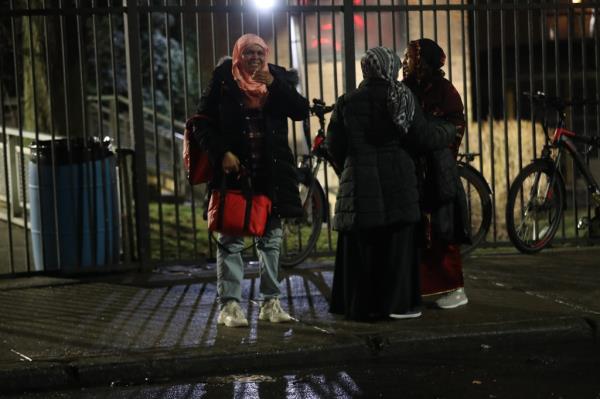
(539, 212)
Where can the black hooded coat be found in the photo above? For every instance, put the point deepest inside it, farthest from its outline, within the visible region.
(223, 130)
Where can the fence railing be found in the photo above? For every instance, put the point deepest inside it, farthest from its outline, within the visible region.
(134, 70)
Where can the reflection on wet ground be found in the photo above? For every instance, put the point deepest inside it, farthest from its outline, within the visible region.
(116, 315)
(496, 369)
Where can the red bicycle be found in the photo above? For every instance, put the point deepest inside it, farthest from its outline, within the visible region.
(537, 197)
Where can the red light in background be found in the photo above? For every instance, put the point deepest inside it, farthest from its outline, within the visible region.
(357, 2)
(359, 21)
(327, 27)
(325, 41)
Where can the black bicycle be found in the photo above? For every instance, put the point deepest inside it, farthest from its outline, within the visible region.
(537, 196)
(479, 201)
(300, 235)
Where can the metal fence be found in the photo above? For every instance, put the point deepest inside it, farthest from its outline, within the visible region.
(134, 70)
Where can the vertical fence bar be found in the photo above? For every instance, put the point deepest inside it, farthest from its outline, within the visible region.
(124, 191)
(186, 114)
(543, 35)
(394, 44)
(465, 75)
(97, 70)
(421, 21)
(435, 30)
(571, 91)
(157, 144)
(212, 31)
(406, 24)
(490, 72)
(66, 87)
(105, 178)
(174, 155)
(349, 49)
(11, 255)
(556, 51)
(531, 65)
(275, 43)
(134, 79)
(558, 87)
(504, 91)
(334, 43)
(379, 33)
(585, 107)
(53, 137)
(89, 170)
(518, 84)
(36, 126)
(597, 77)
(115, 110)
(21, 139)
(475, 58)
(449, 46)
(200, 79)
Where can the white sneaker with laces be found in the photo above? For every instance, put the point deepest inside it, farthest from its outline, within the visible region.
(453, 299)
(408, 315)
(231, 315)
(271, 310)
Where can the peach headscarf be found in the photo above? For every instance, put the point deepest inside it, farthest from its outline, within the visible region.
(256, 93)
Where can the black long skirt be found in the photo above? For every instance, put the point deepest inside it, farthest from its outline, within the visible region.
(376, 273)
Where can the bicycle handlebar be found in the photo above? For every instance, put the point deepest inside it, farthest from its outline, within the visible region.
(558, 103)
(319, 108)
(594, 141)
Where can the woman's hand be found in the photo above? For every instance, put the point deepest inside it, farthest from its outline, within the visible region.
(264, 77)
(231, 163)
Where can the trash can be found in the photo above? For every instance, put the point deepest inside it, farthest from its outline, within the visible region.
(73, 203)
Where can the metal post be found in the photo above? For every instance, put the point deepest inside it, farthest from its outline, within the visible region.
(136, 118)
(349, 51)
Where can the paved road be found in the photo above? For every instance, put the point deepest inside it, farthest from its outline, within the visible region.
(131, 328)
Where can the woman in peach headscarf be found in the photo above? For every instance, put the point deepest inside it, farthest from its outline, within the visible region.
(244, 113)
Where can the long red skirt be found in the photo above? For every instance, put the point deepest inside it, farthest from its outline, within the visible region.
(441, 269)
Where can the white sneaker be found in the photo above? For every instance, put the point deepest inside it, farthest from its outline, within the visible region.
(271, 310)
(408, 315)
(453, 299)
(231, 315)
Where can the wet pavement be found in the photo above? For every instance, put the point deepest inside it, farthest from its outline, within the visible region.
(135, 328)
(486, 368)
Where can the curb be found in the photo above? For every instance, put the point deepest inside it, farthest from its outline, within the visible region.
(153, 366)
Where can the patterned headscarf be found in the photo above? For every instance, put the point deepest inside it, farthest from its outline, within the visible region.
(383, 63)
(256, 93)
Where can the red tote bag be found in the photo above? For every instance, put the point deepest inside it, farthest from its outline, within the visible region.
(238, 212)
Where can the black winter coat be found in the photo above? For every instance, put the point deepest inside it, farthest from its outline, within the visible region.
(378, 184)
(222, 103)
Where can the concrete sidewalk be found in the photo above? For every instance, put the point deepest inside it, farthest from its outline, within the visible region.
(134, 328)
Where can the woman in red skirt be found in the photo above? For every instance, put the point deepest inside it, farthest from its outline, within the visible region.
(441, 265)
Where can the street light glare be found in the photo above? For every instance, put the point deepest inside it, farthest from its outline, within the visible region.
(264, 4)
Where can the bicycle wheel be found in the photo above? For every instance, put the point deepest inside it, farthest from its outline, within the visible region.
(534, 207)
(300, 235)
(479, 203)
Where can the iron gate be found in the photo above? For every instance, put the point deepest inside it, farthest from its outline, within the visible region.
(133, 71)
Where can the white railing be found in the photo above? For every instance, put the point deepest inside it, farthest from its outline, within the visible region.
(18, 154)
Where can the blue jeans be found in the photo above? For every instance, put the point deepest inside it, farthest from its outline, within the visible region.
(230, 266)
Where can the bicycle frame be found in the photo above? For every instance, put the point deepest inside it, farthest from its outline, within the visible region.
(564, 140)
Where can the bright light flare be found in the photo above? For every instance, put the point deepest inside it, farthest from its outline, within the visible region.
(264, 4)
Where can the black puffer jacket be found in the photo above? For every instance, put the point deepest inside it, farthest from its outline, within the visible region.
(378, 184)
(222, 103)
